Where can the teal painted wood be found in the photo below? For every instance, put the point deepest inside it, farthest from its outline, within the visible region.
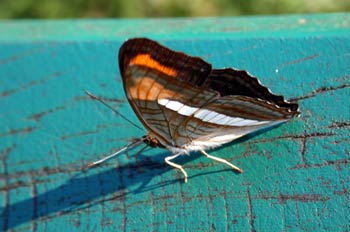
(296, 177)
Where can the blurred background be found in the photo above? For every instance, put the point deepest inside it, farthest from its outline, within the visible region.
(35, 9)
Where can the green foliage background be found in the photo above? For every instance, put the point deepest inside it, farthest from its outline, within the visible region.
(11, 9)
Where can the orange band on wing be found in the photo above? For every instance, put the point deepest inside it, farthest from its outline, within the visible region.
(146, 60)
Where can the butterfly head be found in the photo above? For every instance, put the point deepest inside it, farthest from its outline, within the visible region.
(152, 141)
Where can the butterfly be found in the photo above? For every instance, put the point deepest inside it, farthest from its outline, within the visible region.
(188, 106)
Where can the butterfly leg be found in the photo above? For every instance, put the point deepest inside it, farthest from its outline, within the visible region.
(222, 161)
(167, 160)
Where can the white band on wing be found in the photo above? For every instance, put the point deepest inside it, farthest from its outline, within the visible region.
(208, 115)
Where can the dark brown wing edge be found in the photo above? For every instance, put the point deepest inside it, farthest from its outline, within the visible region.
(191, 69)
(239, 82)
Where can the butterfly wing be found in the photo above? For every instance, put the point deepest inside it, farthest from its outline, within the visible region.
(184, 103)
(152, 73)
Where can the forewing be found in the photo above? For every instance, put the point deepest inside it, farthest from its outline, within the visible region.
(159, 83)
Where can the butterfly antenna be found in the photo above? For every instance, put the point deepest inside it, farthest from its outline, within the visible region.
(111, 108)
(127, 147)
